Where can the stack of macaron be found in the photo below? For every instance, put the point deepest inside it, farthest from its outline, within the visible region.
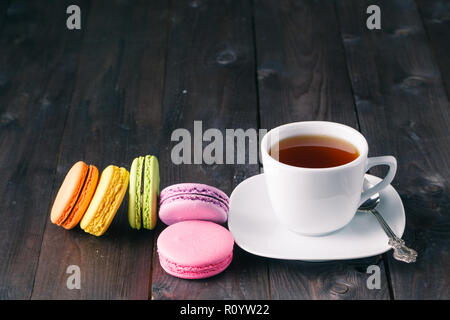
(85, 198)
(192, 201)
(194, 245)
(93, 202)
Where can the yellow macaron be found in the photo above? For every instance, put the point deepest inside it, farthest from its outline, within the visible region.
(106, 201)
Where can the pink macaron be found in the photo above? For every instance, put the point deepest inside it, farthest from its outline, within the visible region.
(195, 249)
(192, 201)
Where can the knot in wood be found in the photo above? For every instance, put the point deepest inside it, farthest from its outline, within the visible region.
(226, 57)
(264, 73)
(349, 38)
(6, 118)
(404, 31)
(413, 82)
(340, 288)
(433, 189)
(45, 103)
(195, 4)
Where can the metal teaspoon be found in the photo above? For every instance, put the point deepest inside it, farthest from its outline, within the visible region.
(401, 251)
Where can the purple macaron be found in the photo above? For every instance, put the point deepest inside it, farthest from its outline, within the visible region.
(192, 201)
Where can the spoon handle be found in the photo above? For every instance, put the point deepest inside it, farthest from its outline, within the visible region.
(401, 251)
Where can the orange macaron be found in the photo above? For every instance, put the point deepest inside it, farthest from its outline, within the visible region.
(74, 195)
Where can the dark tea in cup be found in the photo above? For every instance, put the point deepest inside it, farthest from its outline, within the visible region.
(314, 151)
(314, 173)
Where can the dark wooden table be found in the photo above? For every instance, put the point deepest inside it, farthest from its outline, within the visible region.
(137, 70)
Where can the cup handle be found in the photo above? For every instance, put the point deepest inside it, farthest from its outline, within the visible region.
(376, 161)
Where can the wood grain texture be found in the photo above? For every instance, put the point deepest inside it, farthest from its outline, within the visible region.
(210, 77)
(302, 75)
(35, 86)
(403, 111)
(140, 69)
(3, 12)
(435, 16)
(114, 116)
(301, 64)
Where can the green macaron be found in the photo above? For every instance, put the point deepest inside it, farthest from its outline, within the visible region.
(143, 192)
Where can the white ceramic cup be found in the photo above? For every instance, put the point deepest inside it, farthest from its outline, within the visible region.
(317, 201)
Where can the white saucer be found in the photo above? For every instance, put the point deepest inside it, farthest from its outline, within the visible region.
(256, 229)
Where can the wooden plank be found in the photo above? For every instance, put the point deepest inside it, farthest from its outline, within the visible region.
(3, 12)
(37, 62)
(114, 117)
(302, 75)
(210, 77)
(403, 111)
(435, 16)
